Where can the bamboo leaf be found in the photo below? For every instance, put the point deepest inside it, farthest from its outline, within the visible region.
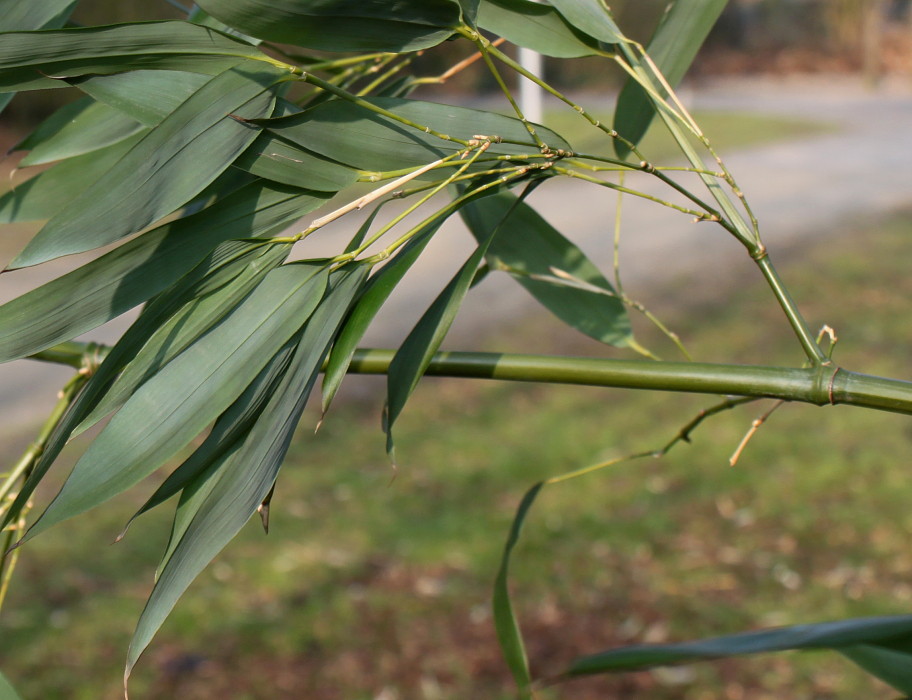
(535, 26)
(354, 135)
(51, 191)
(190, 392)
(247, 475)
(95, 127)
(375, 294)
(872, 641)
(275, 159)
(530, 249)
(226, 435)
(506, 625)
(135, 272)
(414, 355)
(148, 96)
(239, 267)
(168, 167)
(16, 16)
(65, 53)
(591, 17)
(342, 25)
(682, 31)
(7, 692)
(221, 268)
(891, 666)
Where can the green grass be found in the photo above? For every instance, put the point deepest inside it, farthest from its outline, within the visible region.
(375, 579)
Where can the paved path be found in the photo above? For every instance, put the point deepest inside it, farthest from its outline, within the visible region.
(799, 189)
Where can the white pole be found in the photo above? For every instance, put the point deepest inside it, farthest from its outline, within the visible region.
(530, 94)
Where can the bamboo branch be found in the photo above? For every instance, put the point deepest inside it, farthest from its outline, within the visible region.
(819, 385)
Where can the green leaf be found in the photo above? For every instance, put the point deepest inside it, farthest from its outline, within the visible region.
(891, 666)
(7, 692)
(280, 161)
(239, 267)
(50, 192)
(65, 53)
(535, 26)
(148, 96)
(869, 640)
(17, 16)
(530, 249)
(168, 167)
(246, 475)
(591, 17)
(355, 135)
(190, 392)
(200, 16)
(375, 294)
(416, 351)
(682, 31)
(141, 268)
(226, 435)
(95, 127)
(509, 635)
(342, 25)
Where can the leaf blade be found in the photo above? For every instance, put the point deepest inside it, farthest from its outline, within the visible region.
(166, 168)
(189, 392)
(530, 249)
(681, 32)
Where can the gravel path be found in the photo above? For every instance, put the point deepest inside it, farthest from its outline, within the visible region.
(799, 190)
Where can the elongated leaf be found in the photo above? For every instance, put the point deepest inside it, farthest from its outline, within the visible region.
(135, 272)
(535, 26)
(247, 475)
(94, 128)
(342, 25)
(238, 275)
(891, 666)
(53, 124)
(148, 96)
(509, 635)
(280, 161)
(190, 392)
(169, 166)
(375, 294)
(414, 355)
(682, 31)
(229, 431)
(358, 137)
(847, 636)
(51, 191)
(530, 249)
(199, 16)
(416, 351)
(66, 53)
(16, 16)
(7, 692)
(221, 268)
(591, 17)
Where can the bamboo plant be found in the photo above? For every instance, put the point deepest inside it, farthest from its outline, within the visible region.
(200, 148)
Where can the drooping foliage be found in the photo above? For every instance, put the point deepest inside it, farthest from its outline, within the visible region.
(196, 147)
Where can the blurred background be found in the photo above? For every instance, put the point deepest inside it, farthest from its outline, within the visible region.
(374, 584)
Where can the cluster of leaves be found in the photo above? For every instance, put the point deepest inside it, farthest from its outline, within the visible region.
(200, 142)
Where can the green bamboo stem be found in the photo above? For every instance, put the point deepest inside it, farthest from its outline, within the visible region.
(796, 320)
(819, 385)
